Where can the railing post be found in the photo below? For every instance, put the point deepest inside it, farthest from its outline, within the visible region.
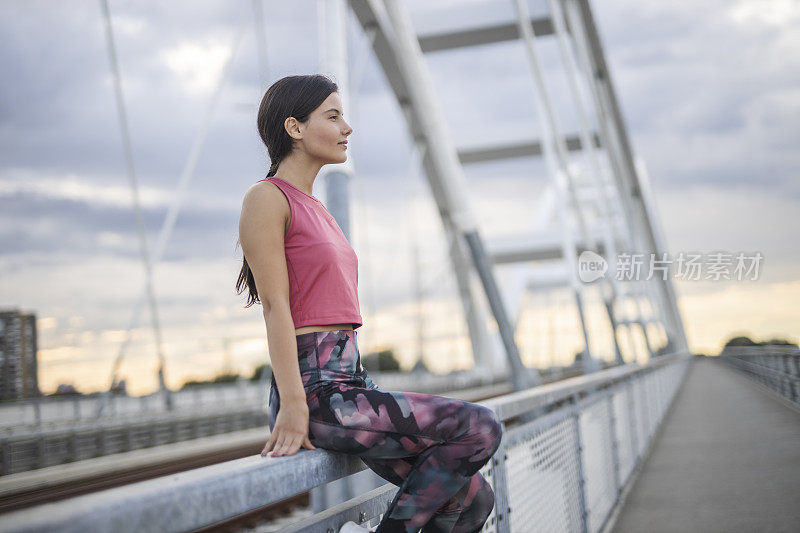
(632, 420)
(579, 456)
(614, 447)
(501, 488)
(37, 411)
(646, 413)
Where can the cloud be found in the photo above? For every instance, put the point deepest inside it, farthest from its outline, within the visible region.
(709, 92)
(697, 110)
(198, 65)
(46, 214)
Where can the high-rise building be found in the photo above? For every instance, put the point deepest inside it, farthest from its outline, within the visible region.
(19, 377)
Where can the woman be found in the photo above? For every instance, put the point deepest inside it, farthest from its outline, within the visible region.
(299, 265)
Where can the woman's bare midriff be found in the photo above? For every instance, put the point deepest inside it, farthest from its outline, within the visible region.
(328, 327)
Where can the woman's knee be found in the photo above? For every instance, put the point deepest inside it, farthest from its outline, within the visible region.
(490, 427)
(477, 439)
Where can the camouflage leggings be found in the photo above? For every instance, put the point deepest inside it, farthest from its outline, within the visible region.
(432, 447)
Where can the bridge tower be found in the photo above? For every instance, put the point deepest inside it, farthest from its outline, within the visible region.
(597, 206)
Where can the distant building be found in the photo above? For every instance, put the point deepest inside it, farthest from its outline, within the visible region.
(19, 377)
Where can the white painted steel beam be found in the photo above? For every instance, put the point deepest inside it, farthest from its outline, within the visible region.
(613, 129)
(483, 35)
(478, 154)
(400, 56)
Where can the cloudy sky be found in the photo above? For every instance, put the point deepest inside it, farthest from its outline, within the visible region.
(710, 92)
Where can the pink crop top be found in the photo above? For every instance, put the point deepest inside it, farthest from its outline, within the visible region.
(322, 266)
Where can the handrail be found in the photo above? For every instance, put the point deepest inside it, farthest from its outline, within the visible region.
(777, 368)
(188, 500)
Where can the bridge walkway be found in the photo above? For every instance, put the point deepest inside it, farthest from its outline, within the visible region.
(727, 459)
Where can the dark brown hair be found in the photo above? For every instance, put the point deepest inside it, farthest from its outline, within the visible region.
(291, 96)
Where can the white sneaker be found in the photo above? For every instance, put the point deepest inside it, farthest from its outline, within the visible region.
(352, 527)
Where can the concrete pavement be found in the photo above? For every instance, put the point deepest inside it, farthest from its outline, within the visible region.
(728, 459)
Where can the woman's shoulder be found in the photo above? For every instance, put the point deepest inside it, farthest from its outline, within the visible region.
(264, 194)
(263, 189)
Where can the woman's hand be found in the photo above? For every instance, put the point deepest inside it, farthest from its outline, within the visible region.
(290, 431)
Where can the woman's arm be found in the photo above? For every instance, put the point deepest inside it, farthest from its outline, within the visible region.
(261, 233)
(261, 229)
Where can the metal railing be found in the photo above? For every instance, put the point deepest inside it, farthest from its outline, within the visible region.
(64, 432)
(562, 471)
(48, 413)
(775, 367)
(43, 448)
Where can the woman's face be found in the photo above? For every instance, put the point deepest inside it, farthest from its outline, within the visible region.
(325, 130)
